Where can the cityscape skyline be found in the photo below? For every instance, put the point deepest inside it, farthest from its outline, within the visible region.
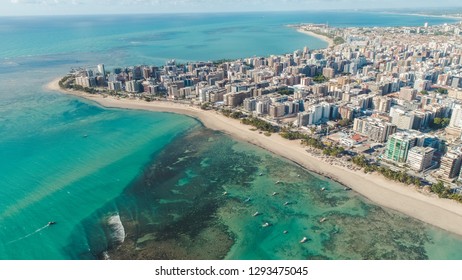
(78, 7)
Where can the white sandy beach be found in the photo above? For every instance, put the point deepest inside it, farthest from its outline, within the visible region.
(329, 41)
(443, 213)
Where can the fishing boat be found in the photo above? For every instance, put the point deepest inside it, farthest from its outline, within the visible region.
(304, 239)
(256, 214)
(51, 223)
(266, 225)
(274, 193)
(322, 220)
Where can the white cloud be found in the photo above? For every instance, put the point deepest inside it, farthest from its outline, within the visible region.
(31, 7)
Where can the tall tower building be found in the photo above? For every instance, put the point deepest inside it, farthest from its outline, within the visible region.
(102, 70)
(398, 146)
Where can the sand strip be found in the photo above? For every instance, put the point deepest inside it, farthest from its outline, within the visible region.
(329, 41)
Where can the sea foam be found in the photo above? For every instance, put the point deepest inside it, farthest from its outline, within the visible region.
(117, 231)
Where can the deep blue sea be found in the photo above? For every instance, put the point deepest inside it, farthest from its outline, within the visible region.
(155, 180)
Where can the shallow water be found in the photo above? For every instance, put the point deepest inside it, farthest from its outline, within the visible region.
(204, 189)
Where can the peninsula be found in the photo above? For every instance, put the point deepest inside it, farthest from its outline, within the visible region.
(379, 112)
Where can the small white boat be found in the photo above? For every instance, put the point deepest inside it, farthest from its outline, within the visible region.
(347, 188)
(323, 189)
(285, 232)
(322, 220)
(261, 174)
(256, 214)
(304, 239)
(225, 193)
(274, 193)
(277, 182)
(266, 225)
(286, 203)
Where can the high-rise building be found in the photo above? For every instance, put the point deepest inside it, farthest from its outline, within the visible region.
(377, 130)
(318, 111)
(116, 86)
(101, 70)
(328, 72)
(403, 119)
(420, 158)
(137, 73)
(234, 99)
(348, 111)
(421, 85)
(173, 92)
(398, 146)
(456, 117)
(250, 104)
(262, 106)
(382, 104)
(277, 110)
(305, 118)
(133, 86)
(460, 174)
(291, 107)
(408, 94)
(451, 164)
(147, 72)
(85, 82)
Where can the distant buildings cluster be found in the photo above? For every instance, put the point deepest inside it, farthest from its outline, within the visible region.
(399, 86)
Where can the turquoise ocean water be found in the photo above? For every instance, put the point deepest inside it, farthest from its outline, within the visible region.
(156, 180)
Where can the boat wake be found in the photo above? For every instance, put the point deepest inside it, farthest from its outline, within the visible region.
(30, 234)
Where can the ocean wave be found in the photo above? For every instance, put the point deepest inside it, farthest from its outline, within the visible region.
(117, 230)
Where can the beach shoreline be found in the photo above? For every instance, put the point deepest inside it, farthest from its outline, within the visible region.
(329, 41)
(442, 213)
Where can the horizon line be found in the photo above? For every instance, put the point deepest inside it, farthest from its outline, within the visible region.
(402, 11)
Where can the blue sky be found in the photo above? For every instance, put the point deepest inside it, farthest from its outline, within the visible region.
(65, 7)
